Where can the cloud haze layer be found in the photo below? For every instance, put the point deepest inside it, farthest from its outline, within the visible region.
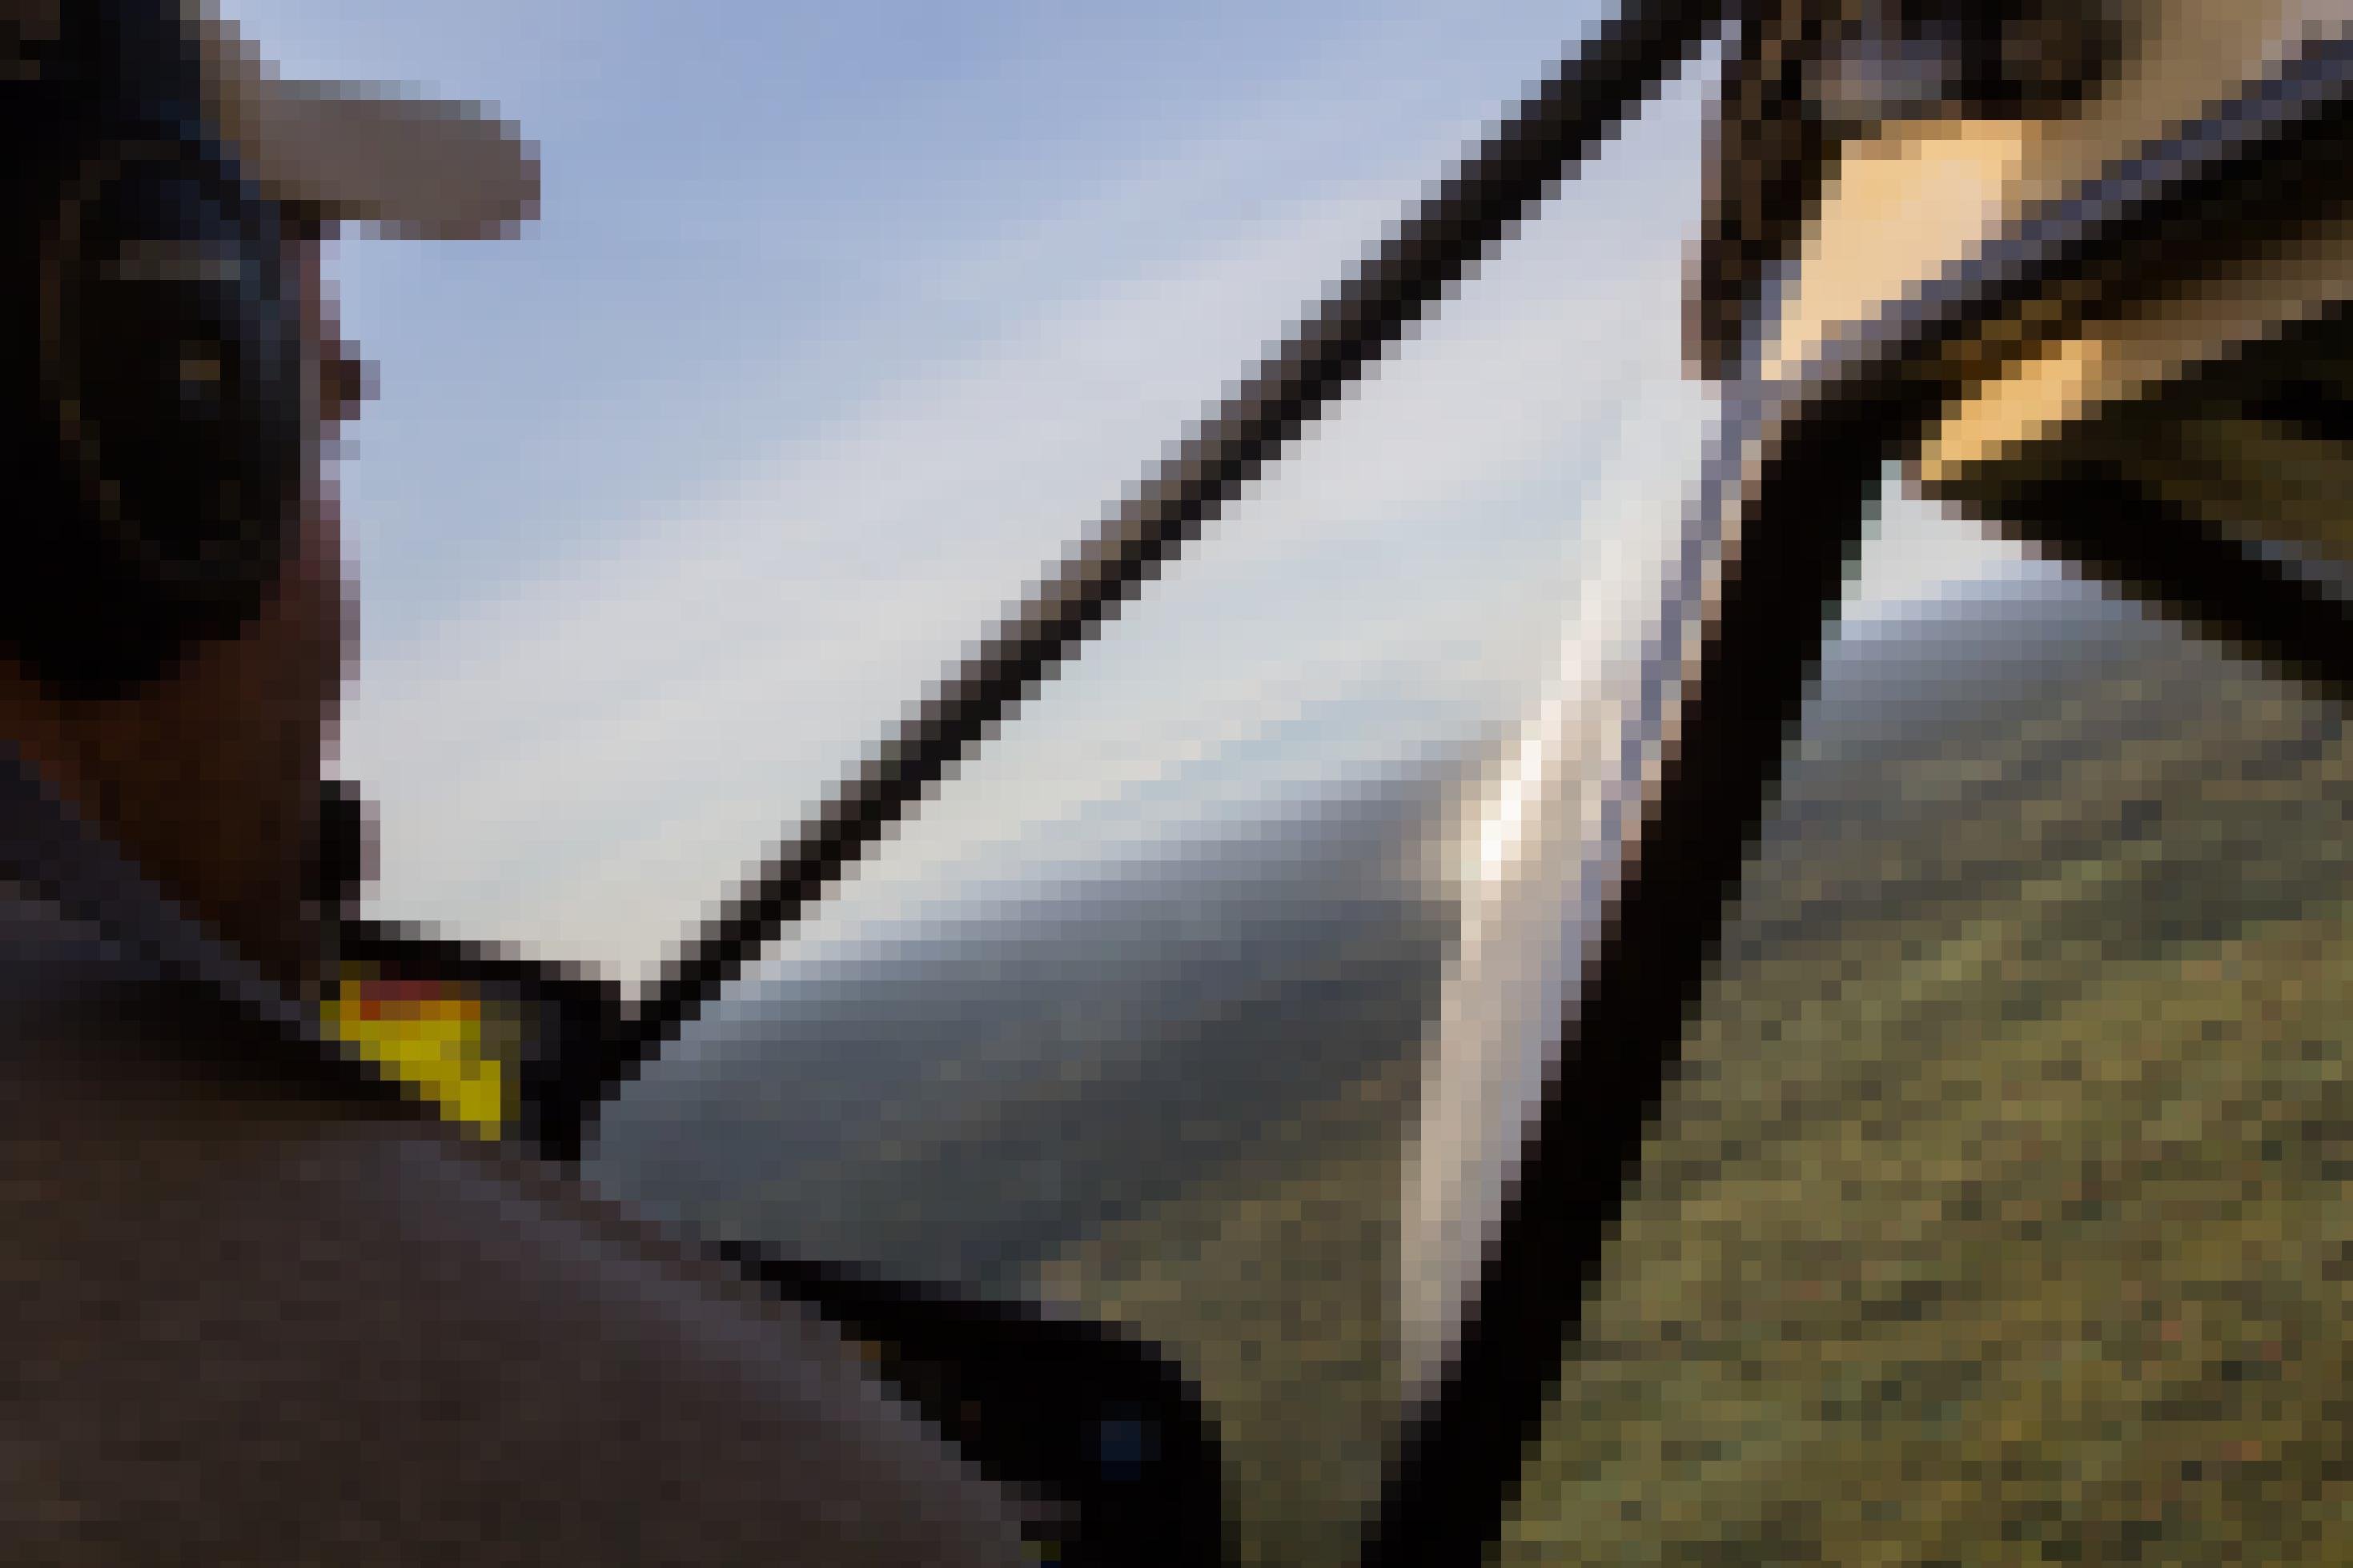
(835, 332)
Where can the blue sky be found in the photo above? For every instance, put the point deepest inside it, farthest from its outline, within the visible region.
(841, 321)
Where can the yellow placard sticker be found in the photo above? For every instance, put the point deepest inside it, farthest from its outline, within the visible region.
(441, 1038)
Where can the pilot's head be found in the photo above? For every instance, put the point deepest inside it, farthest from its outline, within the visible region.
(175, 622)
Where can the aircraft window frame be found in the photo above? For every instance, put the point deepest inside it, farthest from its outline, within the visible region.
(1819, 445)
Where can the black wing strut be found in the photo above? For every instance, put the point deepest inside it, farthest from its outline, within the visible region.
(1580, 105)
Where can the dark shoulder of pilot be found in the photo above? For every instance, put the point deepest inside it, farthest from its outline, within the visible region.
(254, 1321)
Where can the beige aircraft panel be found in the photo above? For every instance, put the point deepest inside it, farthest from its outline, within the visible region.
(1915, 196)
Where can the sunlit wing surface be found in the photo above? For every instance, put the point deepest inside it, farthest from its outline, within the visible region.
(1905, 196)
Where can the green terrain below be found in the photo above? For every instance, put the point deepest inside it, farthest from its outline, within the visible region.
(1995, 1216)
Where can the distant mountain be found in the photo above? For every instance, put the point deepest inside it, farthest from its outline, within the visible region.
(978, 1094)
(1998, 1211)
